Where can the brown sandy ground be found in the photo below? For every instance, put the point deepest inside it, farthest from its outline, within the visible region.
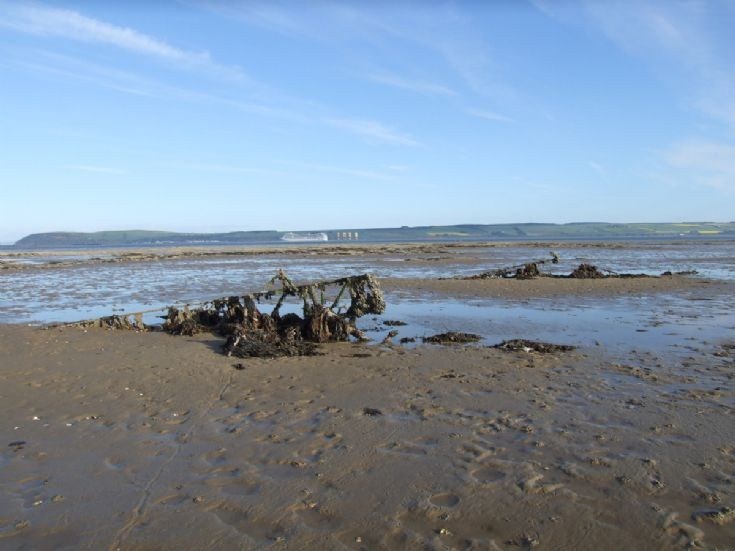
(126, 440)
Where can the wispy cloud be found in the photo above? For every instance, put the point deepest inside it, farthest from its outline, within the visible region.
(706, 163)
(444, 32)
(684, 41)
(95, 169)
(418, 86)
(54, 22)
(489, 115)
(373, 131)
(127, 82)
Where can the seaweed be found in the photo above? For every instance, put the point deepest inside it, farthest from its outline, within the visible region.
(252, 333)
(524, 345)
(452, 337)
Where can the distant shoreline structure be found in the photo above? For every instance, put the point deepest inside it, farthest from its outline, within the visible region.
(293, 237)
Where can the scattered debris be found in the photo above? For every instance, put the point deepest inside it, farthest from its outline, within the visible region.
(452, 337)
(531, 270)
(371, 412)
(517, 345)
(406, 340)
(394, 323)
(528, 271)
(682, 273)
(17, 445)
(727, 350)
(586, 271)
(261, 344)
(239, 366)
(131, 322)
(389, 337)
(522, 271)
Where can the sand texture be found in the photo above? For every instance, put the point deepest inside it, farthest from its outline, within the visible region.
(124, 440)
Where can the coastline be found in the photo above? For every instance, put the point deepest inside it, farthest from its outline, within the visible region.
(624, 442)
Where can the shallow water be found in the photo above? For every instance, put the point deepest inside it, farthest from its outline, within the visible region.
(85, 291)
(664, 323)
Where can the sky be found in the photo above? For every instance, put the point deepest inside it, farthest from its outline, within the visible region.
(221, 116)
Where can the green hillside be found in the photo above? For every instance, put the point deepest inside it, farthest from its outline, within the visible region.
(499, 232)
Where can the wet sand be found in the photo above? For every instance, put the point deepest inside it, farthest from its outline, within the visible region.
(432, 252)
(125, 440)
(551, 287)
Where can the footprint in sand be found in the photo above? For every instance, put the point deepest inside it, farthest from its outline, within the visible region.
(215, 458)
(113, 463)
(420, 446)
(261, 530)
(475, 452)
(446, 500)
(174, 500)
(488, 475)
(313, 516)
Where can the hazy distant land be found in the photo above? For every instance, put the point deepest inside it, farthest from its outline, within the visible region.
(576, 230)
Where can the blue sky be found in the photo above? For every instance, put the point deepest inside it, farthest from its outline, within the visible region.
(214, 116)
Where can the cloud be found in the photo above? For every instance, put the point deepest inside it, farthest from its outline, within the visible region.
(440, 29)
(46, 21)
(706, 163)
(127, 82)
(489, 115)
(418, 86)
(373, 131)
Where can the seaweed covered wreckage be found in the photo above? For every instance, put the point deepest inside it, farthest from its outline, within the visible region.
(251, 332)
(530, 270)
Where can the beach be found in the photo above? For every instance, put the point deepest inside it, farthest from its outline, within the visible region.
(143, 440)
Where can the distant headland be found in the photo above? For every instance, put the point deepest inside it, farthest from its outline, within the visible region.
(473, 232)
